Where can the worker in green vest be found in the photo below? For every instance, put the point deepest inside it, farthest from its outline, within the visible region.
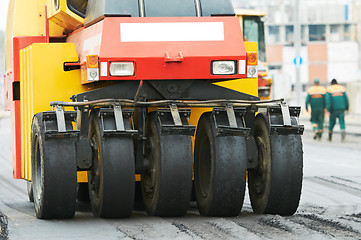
(336, 104)
(316, 99)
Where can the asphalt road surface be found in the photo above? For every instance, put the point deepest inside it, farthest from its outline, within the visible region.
(330, 206)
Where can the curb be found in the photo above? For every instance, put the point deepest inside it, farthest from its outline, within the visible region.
(354, 123)
(338, 132)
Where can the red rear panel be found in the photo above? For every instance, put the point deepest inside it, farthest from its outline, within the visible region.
(164, 48)
(12, 100)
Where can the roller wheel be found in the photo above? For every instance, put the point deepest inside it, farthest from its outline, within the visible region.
(220, 165)
(275, 185)
(167, 183)
(29, 187)
(54, 173)
(111, 179)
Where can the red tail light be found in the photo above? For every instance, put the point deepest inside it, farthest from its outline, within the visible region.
(252, 58)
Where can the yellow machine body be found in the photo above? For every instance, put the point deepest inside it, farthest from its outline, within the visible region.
(264, 79)
(26, 18)
(59, 13)
(40, 85)
(161, 116)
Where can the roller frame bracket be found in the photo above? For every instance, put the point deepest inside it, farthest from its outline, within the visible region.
(56, 120)
(175, 121)
(230, 121)
(283, 120)
(119, 117)
(175, 115)
(60, 118)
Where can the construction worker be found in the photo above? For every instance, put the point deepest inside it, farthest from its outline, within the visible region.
(336, 104)
(316, 98)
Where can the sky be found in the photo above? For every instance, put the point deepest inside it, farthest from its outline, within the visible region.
(3, 13)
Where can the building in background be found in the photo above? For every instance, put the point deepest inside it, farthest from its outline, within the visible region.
(331, 40)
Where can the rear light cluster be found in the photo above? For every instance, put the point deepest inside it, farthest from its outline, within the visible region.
(123, 69)
(252, 63)
(118, 69)
(92, 62)
(223, 67)
(228, 67)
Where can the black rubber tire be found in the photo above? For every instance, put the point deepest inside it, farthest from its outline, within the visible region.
(54, 173)
(220, 165)
(167, 184)
(275, 185)
(111, 179)
(29, 188)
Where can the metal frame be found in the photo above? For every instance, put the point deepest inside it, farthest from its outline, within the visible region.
(163, 90)
(233, 112)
